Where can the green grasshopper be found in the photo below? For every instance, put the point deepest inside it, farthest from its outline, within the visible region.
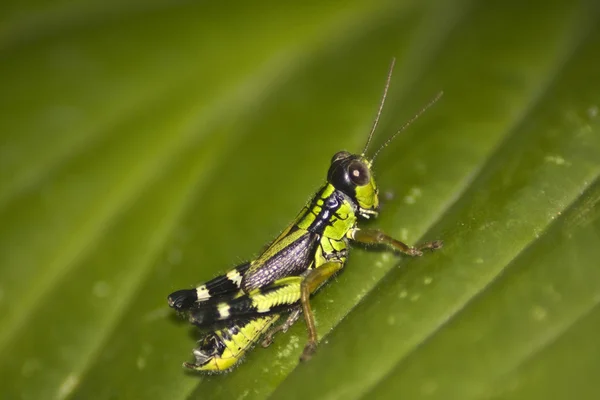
(238, 308)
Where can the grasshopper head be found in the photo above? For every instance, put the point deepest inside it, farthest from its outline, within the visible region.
(351, 174)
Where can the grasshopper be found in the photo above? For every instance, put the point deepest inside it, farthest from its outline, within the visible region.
(244, 304)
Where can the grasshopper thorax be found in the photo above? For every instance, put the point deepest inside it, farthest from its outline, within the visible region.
(351, 174)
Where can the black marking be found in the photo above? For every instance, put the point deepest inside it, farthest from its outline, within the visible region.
(220, 288)
(226, 335)
(338, 216)
(234, 330)
(315, 200)
(223, 285)
(324, 219)
(182, 299)
(204, 315)
(332, 202)
(242, 306)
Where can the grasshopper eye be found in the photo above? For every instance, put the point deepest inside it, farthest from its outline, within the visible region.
(359, 173)
(340, 155)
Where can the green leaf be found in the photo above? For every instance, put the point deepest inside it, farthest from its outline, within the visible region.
(148, 146)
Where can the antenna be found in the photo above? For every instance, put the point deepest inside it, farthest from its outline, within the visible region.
(408, 123)
(387, 85)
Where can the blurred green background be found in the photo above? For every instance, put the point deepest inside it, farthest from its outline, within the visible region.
(146, 146)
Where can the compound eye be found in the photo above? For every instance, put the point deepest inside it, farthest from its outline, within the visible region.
(359, 173)
(340, 155)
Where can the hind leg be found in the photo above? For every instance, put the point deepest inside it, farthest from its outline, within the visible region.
(291, 320)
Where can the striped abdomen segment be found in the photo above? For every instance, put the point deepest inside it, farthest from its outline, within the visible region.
(223, 348)
(222, 285)
(279, 296)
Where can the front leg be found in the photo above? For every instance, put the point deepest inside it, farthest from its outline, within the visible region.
(373, 236)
